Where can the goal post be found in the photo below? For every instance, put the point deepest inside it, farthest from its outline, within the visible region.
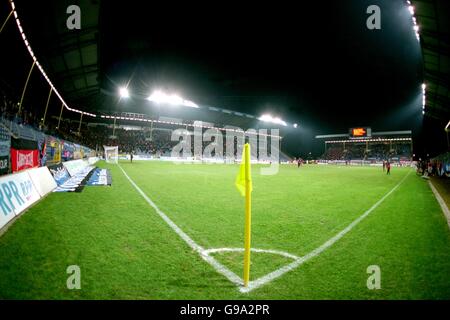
(111, 154)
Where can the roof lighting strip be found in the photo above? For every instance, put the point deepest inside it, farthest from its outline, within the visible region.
(414, 20)
(369, 140)
(189, 125)
(30, 50)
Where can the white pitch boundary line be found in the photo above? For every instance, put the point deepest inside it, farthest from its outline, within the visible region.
(278, 273)
(441, 202)
(278, 252)
(230, 275)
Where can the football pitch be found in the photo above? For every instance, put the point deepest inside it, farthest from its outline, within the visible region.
(315, 231)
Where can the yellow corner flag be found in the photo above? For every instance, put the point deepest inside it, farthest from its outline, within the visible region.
(241, 177)
(244, 185)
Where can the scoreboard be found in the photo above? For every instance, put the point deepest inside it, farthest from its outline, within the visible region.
(360, 132)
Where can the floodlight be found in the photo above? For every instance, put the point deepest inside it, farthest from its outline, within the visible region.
(172, 99)
(295, 125)
(265, 117)
(156, 96)
(124, 92)
(269, 118)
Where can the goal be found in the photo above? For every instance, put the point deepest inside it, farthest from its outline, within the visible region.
(111, 154)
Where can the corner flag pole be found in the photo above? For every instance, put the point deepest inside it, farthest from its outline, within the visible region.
(244, 185)
(248, 214)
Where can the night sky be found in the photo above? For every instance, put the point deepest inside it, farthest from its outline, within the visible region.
(314, 63)
(311, 61)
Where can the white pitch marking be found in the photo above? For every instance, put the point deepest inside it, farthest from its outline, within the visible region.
(441, 203)
(230, 275)
(277, 273)
(281, 253)
(271, 276)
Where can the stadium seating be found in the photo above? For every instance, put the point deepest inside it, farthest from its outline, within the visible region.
(376, 152)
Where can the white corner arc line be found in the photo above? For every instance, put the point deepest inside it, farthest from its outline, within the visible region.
(278, 252)
(230, 275)
(441, 202)
(278, 273)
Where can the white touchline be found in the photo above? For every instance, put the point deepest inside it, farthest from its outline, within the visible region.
(441, 203)
(277, 273)
(230, 275)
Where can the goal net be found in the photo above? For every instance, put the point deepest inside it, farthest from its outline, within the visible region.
(111, 154)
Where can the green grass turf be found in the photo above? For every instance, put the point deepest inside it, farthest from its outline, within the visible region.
(126, 251)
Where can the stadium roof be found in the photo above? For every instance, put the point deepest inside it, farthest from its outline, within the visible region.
(433, 20)
(79, 62)
(70, 58)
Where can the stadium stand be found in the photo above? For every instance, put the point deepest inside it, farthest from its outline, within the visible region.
(50, 144)
(395, 146)
(63, 139)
